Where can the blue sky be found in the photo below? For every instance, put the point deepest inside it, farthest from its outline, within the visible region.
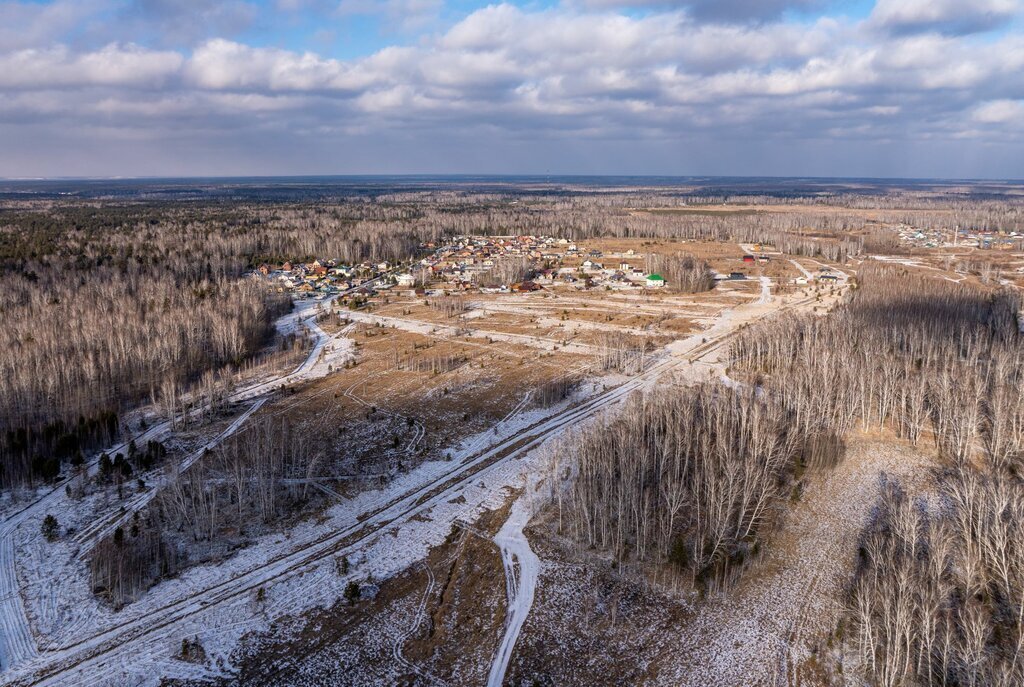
(923, 88)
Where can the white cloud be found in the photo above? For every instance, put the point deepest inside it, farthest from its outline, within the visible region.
(226, 65)
(954, 16)
(29, 24)
(533, 74)
(1000, 112)
(114, 65)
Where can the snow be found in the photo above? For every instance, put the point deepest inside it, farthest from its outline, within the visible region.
(17, 644)
(522, 568)
(384, 531)
(807, 273)
(381, 531)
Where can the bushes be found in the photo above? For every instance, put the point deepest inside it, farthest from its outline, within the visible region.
(50, 527)
(123, 566)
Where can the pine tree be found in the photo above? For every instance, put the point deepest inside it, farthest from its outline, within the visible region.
(50, 527)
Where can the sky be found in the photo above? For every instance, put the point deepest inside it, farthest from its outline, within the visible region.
(883, 88)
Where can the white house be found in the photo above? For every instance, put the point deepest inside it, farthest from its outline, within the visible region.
(406, 280)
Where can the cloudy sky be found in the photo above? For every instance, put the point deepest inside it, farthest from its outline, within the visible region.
(895, 88)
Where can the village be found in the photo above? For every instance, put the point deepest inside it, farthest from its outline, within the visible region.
(502, 264)
(924, 237)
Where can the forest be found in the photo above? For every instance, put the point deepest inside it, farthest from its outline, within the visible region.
(687, 475)
(938, 596)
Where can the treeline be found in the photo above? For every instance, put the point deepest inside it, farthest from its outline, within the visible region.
(938, 596)
(682, 272)
(686, 475)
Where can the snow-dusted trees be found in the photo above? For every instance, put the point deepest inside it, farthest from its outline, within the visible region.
(250, 479)
(683, 474)
(125, 564)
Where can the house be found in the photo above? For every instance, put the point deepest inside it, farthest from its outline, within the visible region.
(737, 276)
(406, 280)
(655, 280)
(763, 258)
(800, 281)
(748, 258)
(287, 267)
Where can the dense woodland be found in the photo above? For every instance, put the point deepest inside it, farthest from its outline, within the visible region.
(691, 477)
(911, 353)
(688, 475)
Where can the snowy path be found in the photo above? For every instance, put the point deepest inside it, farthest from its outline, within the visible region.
(522, 567)
(85, 660)
(140, 635)
(91, 535)
(521, 564)
(764, 631)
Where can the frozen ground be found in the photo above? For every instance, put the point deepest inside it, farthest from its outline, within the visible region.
(432, 329)
(588, 626)
(17, 641)
(522, 567)
(382, 532)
